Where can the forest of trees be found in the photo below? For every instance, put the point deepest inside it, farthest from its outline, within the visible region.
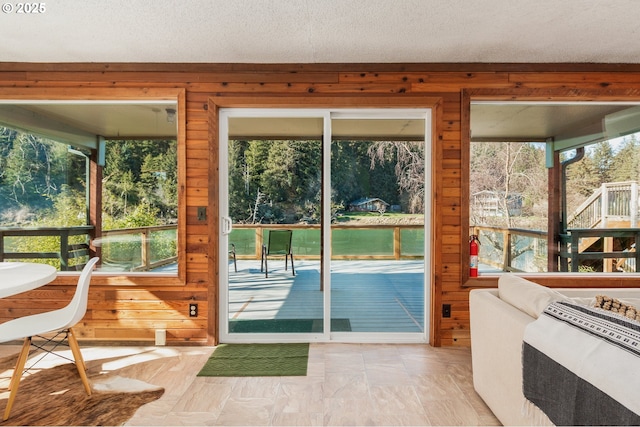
(42, 182)
(519, 168)
(280, 181)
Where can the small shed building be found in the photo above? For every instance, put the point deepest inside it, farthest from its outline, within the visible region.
(370, 204)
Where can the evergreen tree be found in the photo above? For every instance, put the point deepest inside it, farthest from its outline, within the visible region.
(140, 173)
(241, 200)
(602, 155)
(291, 177)
(626, 162)
(582, 179)
(280, 181)
(34, 171)
(159, 179)
(349, 179)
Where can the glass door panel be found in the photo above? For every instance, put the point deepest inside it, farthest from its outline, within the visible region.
(378, 232)
(274, 205)
(350, 187)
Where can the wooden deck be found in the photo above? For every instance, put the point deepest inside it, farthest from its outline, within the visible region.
(375, 296)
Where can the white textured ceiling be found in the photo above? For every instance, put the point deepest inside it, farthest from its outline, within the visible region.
(322, 31)
(327, 31)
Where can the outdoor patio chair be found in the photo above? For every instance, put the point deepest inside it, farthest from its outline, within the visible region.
(279, 244)
(59, 321)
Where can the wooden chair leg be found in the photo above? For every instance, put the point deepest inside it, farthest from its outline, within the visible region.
(77, 356)
(22, 360)
(17, 375)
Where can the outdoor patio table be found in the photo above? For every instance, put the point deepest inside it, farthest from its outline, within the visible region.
(17, 277)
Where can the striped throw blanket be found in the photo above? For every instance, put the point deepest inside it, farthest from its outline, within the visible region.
(581, 366)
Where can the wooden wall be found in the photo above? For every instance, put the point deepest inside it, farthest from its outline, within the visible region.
(129, 310)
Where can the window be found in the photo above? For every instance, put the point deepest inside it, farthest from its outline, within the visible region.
(508, 204)
(553, 187)
(84, 178)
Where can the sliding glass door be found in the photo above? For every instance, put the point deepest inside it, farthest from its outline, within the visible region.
(378, 237)
(323, 220)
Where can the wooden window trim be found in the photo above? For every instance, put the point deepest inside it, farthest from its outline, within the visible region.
(129, 94)
(567, 94)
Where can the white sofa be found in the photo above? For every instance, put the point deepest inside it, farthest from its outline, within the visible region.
(498, 321)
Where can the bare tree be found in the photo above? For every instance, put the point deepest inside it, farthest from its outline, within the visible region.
(514, 171)
(409, 157)
(256, 206)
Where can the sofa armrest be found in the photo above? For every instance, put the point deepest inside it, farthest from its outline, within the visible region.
(497, 330)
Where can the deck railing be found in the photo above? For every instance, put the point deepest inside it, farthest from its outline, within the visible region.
(615, 257)
(130, 249)
(140, 248)
(66, 249)
(518, 250)
(612, 203)
(512, 249)
(348, 241)
(146, 248)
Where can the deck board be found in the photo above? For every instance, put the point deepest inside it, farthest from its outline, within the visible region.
(376, 296)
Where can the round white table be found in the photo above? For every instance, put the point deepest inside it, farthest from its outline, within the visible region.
(17, 277)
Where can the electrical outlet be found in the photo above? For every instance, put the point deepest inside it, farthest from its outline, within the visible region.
(193, 310)
(446, 310)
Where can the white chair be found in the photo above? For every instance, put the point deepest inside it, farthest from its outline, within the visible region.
(61, 320)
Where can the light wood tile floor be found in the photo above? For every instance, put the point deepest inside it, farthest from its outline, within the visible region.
(346, 384)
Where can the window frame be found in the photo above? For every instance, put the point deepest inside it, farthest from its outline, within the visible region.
(131, 94)
(569, 279)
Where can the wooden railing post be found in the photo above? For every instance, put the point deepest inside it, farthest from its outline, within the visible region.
(637, 251)
(64, 250)
(396, 243)
(604, 207)
(506, 250)
(633, 205)
(146, 250)
(575, 251)
(607, 246)
(259, 241)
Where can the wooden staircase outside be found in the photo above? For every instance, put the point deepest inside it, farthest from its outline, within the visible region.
(613, 205)
(614, 208)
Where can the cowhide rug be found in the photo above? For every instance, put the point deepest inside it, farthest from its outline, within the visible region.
(55, 396)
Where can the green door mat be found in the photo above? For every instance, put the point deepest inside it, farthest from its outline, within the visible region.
(237, 326)
(257, 360)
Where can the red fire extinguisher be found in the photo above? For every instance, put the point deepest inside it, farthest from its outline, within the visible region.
(474, 245)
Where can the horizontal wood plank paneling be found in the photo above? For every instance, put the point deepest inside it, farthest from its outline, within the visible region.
(182, 78)
(333, 68)
(130, 309)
